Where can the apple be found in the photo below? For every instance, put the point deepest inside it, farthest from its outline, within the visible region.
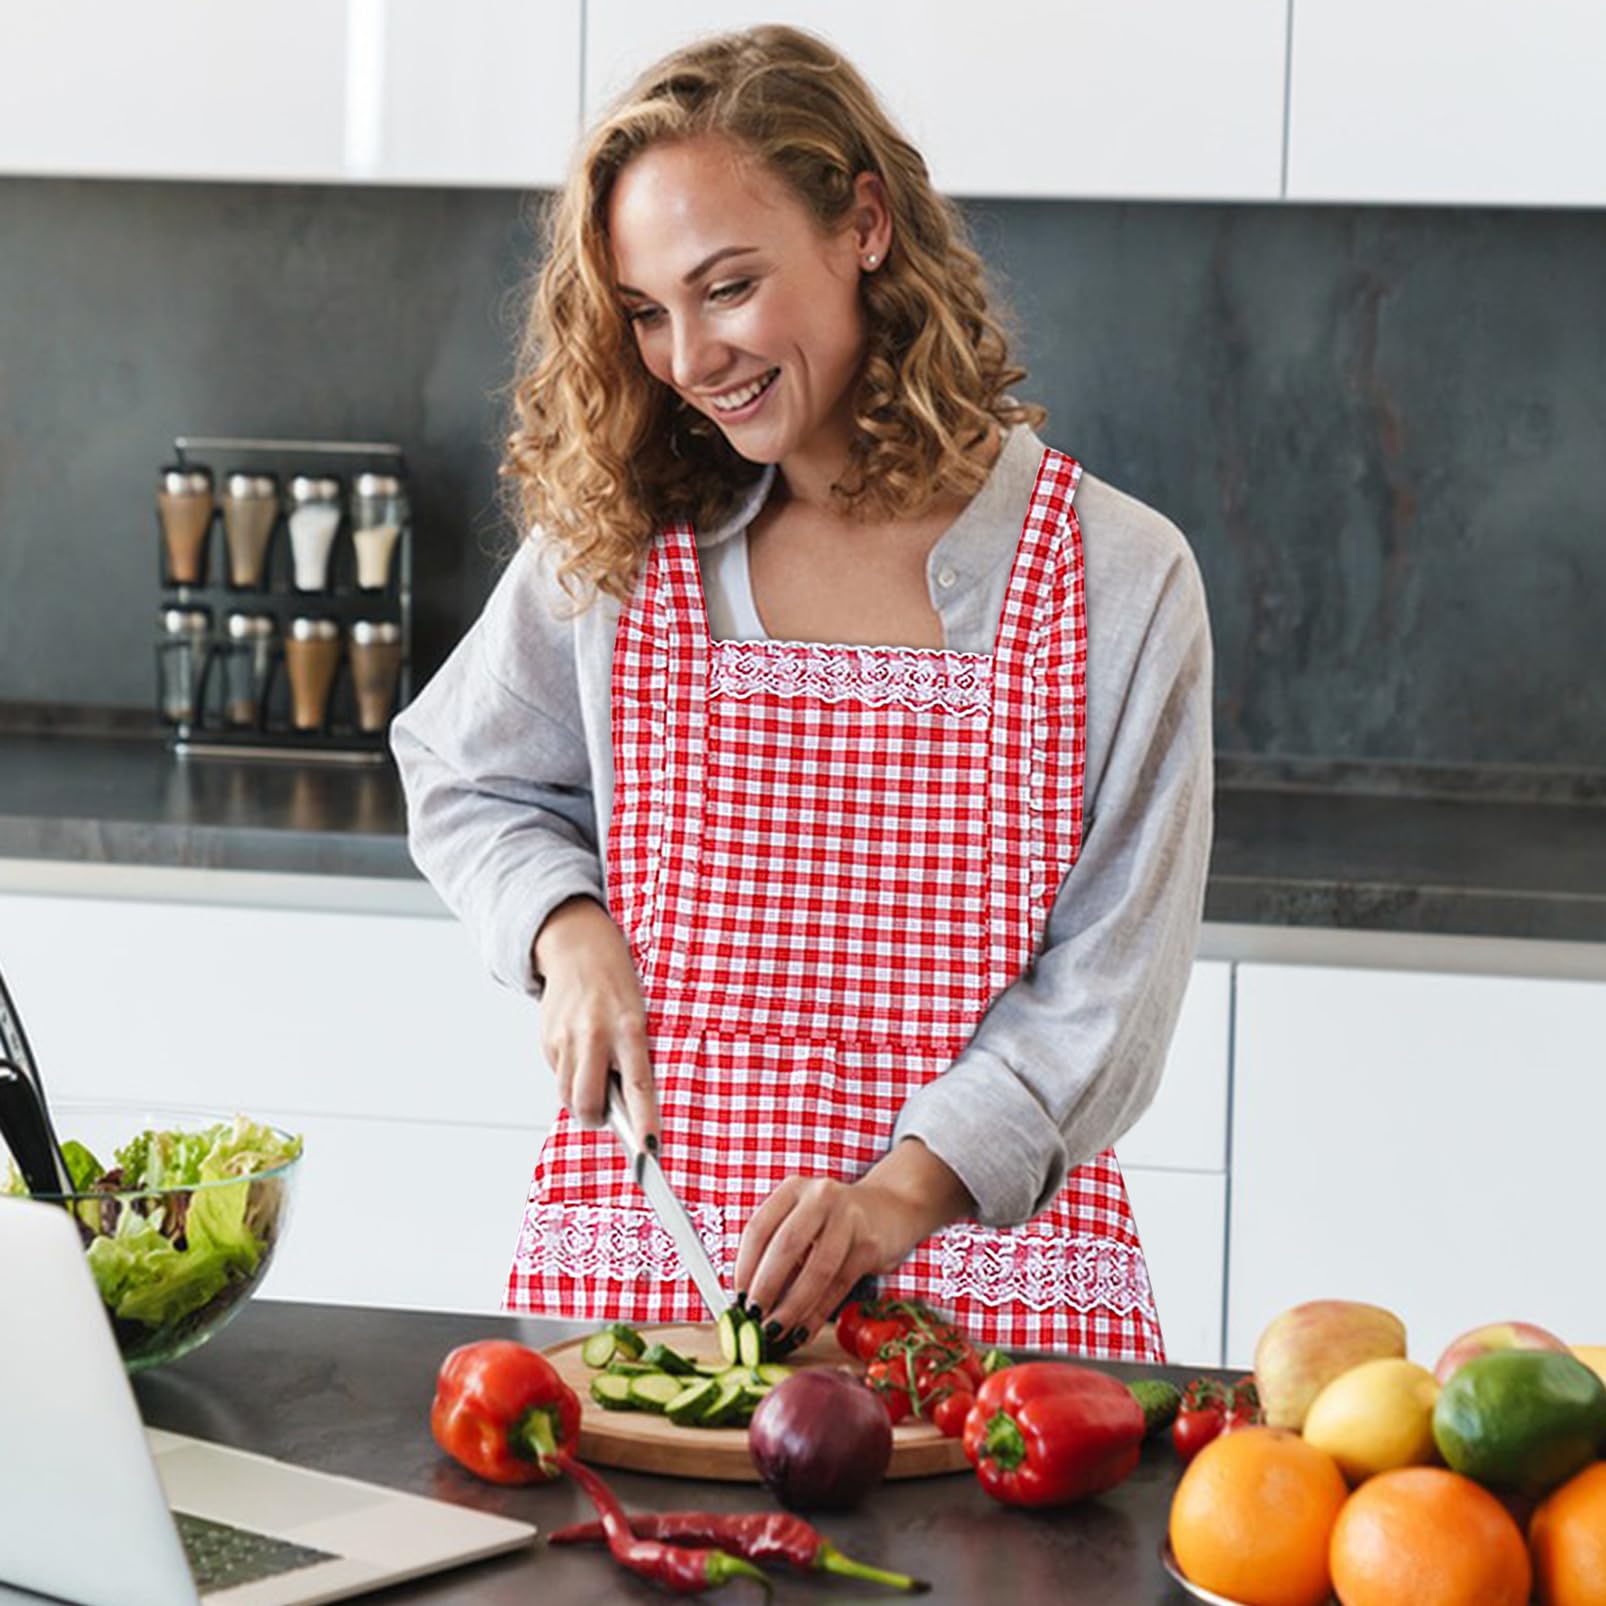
(1305, 1348)
(1594, 1357)
(1493, 1336)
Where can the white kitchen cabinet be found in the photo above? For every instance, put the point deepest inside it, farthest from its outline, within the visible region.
(1185, 1128)
(1436, 103)
(1429, 1143)
(417, 1082)
(401, 91)
(1182, 1220)
(1165, 101)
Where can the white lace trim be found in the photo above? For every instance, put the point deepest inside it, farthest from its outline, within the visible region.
(916, 677)
(613, 1242)
(1042, 1271)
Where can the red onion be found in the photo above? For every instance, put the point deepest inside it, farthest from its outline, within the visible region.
(821, 1440)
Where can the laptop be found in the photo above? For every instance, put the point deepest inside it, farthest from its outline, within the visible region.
(99, 1510)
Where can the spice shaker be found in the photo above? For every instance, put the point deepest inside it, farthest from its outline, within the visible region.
(182, 649)
(378, 511)
(376, 658)
(184, 505)
(250, 510)
(311, 655)
(247, 665)
(314, 519)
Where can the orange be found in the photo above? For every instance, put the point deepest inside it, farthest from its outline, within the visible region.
(1252, 1516)
(1425, 1536)
(1567, 1539)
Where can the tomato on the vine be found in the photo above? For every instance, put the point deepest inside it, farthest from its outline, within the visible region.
(874, 1331)
(950, 1412)
(848, 1325)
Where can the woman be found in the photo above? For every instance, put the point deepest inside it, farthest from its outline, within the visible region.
(833, 760)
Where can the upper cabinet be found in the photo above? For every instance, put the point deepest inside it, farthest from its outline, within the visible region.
(375, 91)
(1170, 100)
(1441, 104)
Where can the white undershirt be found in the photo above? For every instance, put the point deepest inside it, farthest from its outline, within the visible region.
(728, 593)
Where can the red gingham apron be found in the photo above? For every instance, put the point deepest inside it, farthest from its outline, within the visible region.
(828, 860)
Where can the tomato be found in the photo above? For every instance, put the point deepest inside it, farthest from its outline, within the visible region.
(890, 1388)
(848, 1325)
(950, 1412)
(970, 1364)
(929, 1382)
(874, 1331)
(1195, 1427)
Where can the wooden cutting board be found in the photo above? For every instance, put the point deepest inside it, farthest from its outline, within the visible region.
(641, 1442)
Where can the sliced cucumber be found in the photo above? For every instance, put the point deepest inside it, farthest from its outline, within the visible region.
(664, 1359)
(652, 1391)
(688, 1406)
(623, 1368)
(710, 1368)
(773, 1372)
(611, 1392)
(599, 1349)
(749, 1344)
(726, 1404)
(630, 1342)
(727, 1326)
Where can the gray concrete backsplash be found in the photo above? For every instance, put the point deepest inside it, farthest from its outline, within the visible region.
(1382, 430)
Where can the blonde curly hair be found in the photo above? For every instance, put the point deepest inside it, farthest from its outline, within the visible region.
(603, 455)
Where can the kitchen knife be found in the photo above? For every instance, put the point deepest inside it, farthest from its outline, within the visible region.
(30, 1112)
(666, 1205)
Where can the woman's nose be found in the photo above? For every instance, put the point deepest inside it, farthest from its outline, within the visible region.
(696, 359)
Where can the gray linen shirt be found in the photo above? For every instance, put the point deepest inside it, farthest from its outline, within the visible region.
(507, 763)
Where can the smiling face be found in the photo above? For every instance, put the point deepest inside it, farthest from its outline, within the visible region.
(740, 304)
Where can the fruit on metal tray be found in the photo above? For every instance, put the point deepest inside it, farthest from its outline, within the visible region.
(1421, 1534)
(1305, 1348)
(1375, 1417)
(1493, 1336)
(1523, 1420)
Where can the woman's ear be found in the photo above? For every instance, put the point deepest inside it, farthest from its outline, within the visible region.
(872, 220)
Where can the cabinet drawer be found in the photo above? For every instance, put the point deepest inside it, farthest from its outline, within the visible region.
(422, 1215)
(1182, 1221)
(1185, 1128)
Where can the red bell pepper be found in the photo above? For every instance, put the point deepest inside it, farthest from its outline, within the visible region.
(503, 1412)
(1046, 1433)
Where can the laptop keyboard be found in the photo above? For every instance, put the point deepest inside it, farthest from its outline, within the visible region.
(221, 1556)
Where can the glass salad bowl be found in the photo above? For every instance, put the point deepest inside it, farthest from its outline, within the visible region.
(180, 1212)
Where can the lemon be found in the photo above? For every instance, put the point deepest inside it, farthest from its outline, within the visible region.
(1375, 1417)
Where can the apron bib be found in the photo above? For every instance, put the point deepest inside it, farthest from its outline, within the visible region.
(828, 861)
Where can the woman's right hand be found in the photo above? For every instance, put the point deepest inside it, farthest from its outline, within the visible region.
(593, 1020)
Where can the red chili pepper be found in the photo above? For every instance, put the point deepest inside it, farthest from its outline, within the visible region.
(1046, 1433)
(949, 1414)
(679, 1568)
(761, 1536)
(503, 1412)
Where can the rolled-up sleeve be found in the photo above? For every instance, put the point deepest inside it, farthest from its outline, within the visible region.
(1070, 1055)
(500, 812)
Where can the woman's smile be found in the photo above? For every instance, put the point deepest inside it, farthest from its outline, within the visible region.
(735, 405)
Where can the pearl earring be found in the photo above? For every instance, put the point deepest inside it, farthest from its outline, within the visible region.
(871, 260)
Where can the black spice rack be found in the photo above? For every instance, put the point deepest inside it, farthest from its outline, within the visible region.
(219, 724)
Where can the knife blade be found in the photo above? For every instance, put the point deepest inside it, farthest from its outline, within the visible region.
(666, 1204)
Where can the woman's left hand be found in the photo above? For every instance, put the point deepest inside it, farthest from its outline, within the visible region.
(813, 1238)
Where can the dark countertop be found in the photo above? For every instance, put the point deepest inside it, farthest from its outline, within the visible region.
(1338, 846)
(347, 1390)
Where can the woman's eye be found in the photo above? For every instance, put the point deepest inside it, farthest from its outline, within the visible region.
(729, 292)
(640, 314)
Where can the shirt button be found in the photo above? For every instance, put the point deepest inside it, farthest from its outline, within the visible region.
(946, 577)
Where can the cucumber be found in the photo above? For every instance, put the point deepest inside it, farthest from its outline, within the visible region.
(773, 1372)
(630, 1342)
(710, 1368)
(688, 1406)
(630, 1368)
(729, 1321)
(611, 1392)
(652, 1391)
(749, 1344)
(661, 1358)
(599, 1349)
(1160, 1401)
(726, 1404)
